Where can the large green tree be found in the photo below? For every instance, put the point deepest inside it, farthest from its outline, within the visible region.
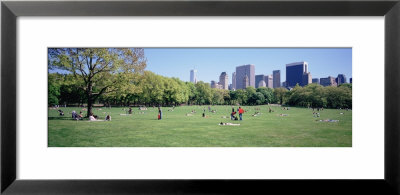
(53, 89)
(204, 93)
(280, 95)
(268, 94)
(101, 70)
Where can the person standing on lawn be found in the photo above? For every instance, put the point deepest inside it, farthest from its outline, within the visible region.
(241, 111)
(233, 113)
(159, 113)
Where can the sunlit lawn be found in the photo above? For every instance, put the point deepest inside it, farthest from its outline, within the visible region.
(142, 129)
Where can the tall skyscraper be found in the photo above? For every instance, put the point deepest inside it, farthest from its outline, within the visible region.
(269, 80)
(259, 78)
(277, 78)
(306, 79)
(233, 81)
(223, 80)
(329, 81)
(340, 79)
(243, 71)
(193, 76)
(294, 73)
(245, 82)
(315, 80)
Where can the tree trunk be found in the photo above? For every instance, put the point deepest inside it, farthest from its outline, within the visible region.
(90, 99)
(89, 107)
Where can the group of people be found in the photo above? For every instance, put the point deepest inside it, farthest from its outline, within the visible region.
(233, 113)
(316, 114)
(318, 109)
(76, 116)
(92, 117)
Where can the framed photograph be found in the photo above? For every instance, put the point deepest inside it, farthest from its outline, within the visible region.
(199, 97)
(140, 94)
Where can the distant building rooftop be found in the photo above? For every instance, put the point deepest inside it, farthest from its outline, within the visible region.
(296, 63)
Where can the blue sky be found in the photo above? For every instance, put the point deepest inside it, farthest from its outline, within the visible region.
(210, 62)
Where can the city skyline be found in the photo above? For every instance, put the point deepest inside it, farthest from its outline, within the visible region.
(211, 62)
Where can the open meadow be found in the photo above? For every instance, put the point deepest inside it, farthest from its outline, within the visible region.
(179, 127)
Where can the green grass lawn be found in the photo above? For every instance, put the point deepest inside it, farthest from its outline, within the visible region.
(298, 129)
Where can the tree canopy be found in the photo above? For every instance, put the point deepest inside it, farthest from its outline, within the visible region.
(98, 71)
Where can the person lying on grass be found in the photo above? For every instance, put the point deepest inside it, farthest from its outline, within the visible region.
(232, 124)
(328, 120)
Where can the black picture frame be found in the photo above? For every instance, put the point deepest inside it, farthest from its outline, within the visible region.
(10, 10)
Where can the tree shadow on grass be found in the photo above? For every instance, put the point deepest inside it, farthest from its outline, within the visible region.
(59, 118)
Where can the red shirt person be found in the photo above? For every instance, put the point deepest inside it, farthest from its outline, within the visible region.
(241, 111)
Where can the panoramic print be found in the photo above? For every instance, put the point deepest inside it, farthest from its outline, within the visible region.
(199, 97)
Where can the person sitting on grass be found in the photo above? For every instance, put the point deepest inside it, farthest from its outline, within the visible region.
(78, 116)
(130, 110)
(92, 118)
(74, 115)
(61, 112)
(108, 117)
(233, 114)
